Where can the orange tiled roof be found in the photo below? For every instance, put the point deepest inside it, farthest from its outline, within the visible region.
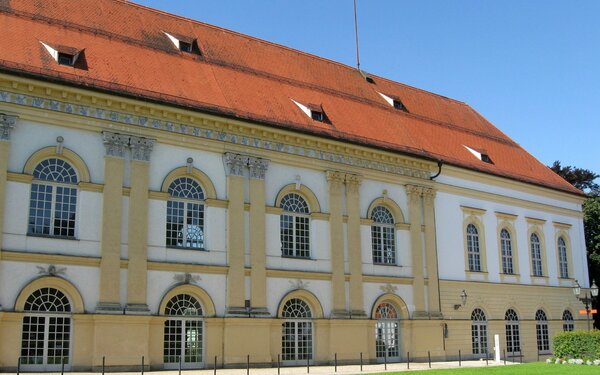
(126, 52)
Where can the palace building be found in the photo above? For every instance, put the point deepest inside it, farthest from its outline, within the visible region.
(180, 192)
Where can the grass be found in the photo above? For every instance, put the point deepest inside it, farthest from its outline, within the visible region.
(524, 369)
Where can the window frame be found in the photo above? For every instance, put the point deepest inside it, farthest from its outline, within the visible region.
(537, 260)
(542, 331)
(563, 258)
(187, 203)
(296, 218)
(473, 243)
(506, 246)
(381, 241)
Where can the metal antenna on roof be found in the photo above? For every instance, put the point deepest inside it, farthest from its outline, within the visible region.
(356, 35)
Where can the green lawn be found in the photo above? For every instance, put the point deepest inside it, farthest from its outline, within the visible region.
(524, 369)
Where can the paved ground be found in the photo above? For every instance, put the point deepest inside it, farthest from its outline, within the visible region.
(321, 370)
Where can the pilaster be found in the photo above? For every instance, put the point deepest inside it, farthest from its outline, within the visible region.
(7, 123)
(258, 261)
(235, 165)
(112, 196)
(138, 226)
(354, 245)
(336, 226)
(415, 217)
(433, 290)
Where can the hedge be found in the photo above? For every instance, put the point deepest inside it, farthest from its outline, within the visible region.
(577, 344)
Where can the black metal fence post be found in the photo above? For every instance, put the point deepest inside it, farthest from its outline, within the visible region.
(307, 365)
(62, 366)
(429, 358)
(360, 361)
(504, 354)
(215, 373)
(459, 358)
(278, 364)
(408, 360)
(248, 365)
(142, 365)
(103, 363)
(18, 365)
(335, 361)
(486, 356)
(179, 365)
(385, 360)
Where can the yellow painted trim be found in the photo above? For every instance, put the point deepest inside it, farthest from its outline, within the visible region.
(208, 307)
(535, 221)
(320, 216)
(391, 205)
(288, 274)
(201, 177)
(306, 296)
(59, 283)
(560, 225)
(402, 226)
(507, 222)
(246, 206)
(304, 192)
(505, 216)
(70, 260)
(478, 223)
(387, 279)
(364, 221)
(19, 177)
(219, 203)
(75, 160)
(394, 300)
(472, 210)
(158, 195)
(186, 267)
(274, 210)
(126, 191)
(87, 186)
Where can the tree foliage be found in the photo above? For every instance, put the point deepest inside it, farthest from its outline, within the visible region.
(584, 179)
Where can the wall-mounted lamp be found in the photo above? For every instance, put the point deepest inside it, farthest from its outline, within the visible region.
(463, 300)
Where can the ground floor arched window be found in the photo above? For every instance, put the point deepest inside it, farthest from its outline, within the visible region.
(513, 337)
(297, 332)
(184, 332)
(541, 331)
(46, 335)
(387, 333)
(479, 338)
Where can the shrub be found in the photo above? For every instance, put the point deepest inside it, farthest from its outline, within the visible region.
(577, 344)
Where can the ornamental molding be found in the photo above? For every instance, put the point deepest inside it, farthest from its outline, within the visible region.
(141, 148)
(7, 124)
(388, 288)
(257, 167)
(414, 191)
(353, 182)
(101, 108)
(51, 270)
(115, 144)
(187, 278)
(235, 163)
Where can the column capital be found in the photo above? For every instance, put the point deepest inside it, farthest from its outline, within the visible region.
(234, 163)
(429, 195)
(414, 191)
(353, 182)
(258, 167)
(115, 144)
(335, 180)
(7, 123)
(141, 148)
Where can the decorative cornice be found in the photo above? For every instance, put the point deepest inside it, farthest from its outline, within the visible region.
(235, 163)
(115, 144)
(7, 123)
(428, 194)
(414, 191)
(91, 106)
(335, 180)
(353, 182)
(141, 148)
(258, 167)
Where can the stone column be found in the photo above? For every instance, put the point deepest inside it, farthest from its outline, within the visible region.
(433, 291)
(416, 244)
(112, 201)
(137, 271)
(354, 245)
(336, 229)
(258, 260)
(234, 166)
(7, 123)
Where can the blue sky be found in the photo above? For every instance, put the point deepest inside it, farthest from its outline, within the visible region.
(531, 67)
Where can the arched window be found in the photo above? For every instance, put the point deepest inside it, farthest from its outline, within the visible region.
(185, 214)
(541, 330)
(479, 337)
(507, 254)
(513, 338)
(294, 227)
(46, 337)
(473, 248)
(568, 322)
(563, 263)
(383, 236)
(297, 336)
(387, 343)
(536, 255)
(53, 199)
(183, 333)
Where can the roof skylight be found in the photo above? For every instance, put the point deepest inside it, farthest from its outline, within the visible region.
(481, 155)
(63, 55)
(183, 43)
(394, 102)
(313, 111)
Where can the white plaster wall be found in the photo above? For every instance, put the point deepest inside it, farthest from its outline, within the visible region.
(371, 190)
(16, 275)
(29, 137)
(160, 282)
(157, 223)
(403, 252)
(372, 291)
(278, 288)
(16, 209)
(278, 176)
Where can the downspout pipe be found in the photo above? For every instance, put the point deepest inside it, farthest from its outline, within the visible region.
(439, 163)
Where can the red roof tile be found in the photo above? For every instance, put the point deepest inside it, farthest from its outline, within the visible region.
(127, 52)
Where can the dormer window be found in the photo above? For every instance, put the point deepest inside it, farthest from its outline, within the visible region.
(63, 55)
(65, 59)
(480, 154)
(314, 111)
(394, 102)
(366, 76)
(183, 43)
